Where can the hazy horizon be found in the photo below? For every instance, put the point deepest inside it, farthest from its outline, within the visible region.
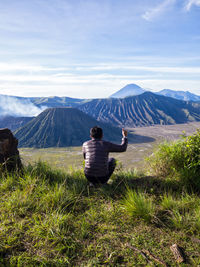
(147, 90)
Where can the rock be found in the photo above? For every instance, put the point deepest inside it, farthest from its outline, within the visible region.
(178, 253)
(9, 154)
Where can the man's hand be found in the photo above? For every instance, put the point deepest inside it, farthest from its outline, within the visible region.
(124, 132)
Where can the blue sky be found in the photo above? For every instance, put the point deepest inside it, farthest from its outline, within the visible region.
(92, 48)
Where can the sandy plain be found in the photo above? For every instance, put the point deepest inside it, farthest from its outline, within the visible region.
(145, 140)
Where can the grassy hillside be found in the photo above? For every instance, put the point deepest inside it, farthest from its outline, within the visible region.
(52, 218)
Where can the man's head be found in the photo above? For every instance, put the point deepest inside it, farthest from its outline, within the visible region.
(96, 132)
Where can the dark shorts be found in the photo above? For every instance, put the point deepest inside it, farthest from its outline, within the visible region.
(104, 179)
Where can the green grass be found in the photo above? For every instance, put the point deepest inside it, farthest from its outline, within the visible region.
(179, 160)
(139, 205)
(49, 217)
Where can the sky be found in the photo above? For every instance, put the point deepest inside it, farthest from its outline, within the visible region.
(93, 48)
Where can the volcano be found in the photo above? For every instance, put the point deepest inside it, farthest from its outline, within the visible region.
(62, 127)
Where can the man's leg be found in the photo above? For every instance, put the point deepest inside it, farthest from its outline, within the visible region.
(103, 180)
(92, 179)
(111, 166)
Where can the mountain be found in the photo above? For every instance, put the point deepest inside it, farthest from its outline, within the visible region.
(13, 123)
(181, 95)
(142, 110)
(32, 106)
(61, 127)
(55, 101)
(128, 90)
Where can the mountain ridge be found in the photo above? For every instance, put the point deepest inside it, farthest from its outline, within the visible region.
(181, 95)
(132, 111)
(142, 110)
(31, 106)
(13, 123)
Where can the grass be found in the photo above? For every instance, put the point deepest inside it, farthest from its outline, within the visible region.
(179, 160)
(49, 217)
(139, 205)
(71, 157)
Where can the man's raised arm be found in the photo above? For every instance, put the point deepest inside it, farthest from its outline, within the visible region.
(123, 146)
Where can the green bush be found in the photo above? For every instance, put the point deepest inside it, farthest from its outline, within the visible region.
(180, 159)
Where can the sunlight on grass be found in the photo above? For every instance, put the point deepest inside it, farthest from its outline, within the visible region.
(139, 205)
(179, 160)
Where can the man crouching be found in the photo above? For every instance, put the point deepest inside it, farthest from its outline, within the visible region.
(98, 167)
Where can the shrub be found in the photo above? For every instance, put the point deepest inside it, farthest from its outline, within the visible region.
(139, 205)
(180, 220)
(179, 159)
(168, 202)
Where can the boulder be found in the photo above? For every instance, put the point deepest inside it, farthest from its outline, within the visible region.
(9, 154)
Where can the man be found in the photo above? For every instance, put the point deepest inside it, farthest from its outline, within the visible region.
(98, 167)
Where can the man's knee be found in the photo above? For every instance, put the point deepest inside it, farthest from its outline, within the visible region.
(112, 162)
(111, 166)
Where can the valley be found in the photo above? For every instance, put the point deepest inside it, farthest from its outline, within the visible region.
(144, 142)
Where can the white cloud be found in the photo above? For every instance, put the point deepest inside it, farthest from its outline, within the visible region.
(190, 3)
(96, 86)
(95, 80)
(5, 67)
(125, 66)
(158, 10)
(100, 74)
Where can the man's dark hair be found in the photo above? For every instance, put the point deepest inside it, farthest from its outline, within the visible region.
(96, 132)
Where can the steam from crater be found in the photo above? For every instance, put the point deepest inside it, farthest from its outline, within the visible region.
(13, 106)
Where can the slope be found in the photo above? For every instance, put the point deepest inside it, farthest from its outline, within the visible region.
(60, 127)
(32, 106)
(143, 110)
(56, 101)
(13, 122)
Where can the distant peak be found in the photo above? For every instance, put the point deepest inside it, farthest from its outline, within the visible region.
(132, 85)
(181, 95)
(129, 90)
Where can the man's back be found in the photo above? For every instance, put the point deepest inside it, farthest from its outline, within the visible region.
(96, 153)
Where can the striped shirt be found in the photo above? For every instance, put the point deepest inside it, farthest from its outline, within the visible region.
(96, 153)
